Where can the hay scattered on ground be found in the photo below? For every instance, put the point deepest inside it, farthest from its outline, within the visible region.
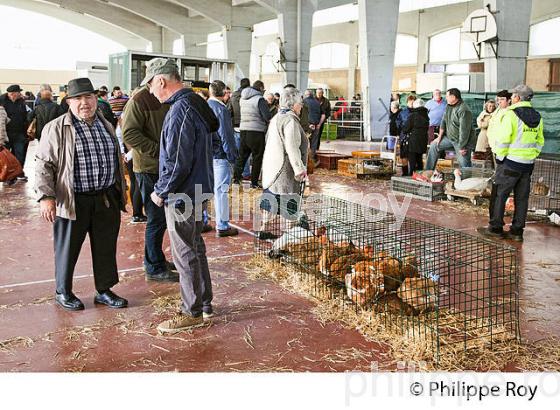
(506, 352)
(8, 345)
(166, 304)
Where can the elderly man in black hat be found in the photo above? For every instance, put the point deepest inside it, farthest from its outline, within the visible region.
(14, 104)
(80, 187)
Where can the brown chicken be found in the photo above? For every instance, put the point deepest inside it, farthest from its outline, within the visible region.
(540, 188)
(364, 283)
(390, 303)
(420, 293)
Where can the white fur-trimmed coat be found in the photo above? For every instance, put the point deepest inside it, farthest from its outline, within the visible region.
(285, 154)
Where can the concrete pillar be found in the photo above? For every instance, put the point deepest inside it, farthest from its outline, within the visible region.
(378, 37)
(352, 66)
(295, 21)
(513, 18)
(237, 45)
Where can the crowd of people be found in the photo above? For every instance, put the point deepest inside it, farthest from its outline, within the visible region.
(510, 133)
(171, 141)
(180, 147)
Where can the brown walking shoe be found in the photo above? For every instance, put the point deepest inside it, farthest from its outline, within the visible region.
(179, 323)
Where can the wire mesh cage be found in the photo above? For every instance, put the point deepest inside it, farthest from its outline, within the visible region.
(436, 285)
(545, 186)
(427, 191)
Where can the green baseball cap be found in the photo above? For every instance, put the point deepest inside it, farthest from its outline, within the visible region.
(158, 66)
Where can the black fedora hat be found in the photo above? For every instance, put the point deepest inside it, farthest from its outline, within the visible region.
(14, 89)
(80, 86)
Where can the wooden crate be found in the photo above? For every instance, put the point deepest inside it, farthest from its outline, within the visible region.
(365, 168)
(444, 165)
(366, 154)
(329, 160)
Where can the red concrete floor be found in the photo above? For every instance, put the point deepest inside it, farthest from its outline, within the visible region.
(259, 326)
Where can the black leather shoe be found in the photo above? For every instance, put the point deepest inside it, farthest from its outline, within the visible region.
(514, 236)
(69, 301)
(165, 276)
(110, 299)
(231, 231)
(207, 228)
(489, 233)
(171, 266)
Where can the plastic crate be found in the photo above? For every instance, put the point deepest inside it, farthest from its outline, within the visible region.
(426, 191)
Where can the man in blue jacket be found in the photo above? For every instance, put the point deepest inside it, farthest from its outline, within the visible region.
(185, 184)
(225, 155)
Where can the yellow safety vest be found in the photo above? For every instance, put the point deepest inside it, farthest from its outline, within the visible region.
(515, 139)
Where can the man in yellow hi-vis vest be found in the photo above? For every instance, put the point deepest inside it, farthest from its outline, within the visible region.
(519, 140)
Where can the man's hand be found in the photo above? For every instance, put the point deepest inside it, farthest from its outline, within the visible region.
(156, 199)
(48, 209)
(437, 140)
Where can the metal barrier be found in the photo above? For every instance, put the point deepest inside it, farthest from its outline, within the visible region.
(347, 116)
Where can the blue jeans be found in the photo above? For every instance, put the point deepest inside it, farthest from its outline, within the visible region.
(154, 258)
(246, 170)
(222, 181)
(447, 145)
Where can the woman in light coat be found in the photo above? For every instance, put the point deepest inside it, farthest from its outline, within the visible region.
(4, 120)
(483, 121)
(284, 162)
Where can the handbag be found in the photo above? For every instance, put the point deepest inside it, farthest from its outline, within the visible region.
(10, 167)
(32, 129)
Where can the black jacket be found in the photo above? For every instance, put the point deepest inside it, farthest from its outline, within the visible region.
(417, 126)
(235, 108)
(393, 126)
(107, 112)
(17, 112)
(45, 111)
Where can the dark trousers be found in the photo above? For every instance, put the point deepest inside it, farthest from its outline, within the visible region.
(252, 142)
(135, 194)
(154, 258)
(316, 140)
(100, 217)
(18, 146)
(507, 180)
(189, 253)
(414, 162)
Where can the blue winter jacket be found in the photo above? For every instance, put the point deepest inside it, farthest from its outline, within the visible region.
(314, 108)
(223, 141)
(185, 156)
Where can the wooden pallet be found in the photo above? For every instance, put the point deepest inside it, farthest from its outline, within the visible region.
(474, 196)
(362, 168)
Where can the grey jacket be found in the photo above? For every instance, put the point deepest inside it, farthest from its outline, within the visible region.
(4, 119)
(54, 165)
(285, 154)
(255, 114)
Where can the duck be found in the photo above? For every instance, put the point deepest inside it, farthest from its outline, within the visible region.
(469, 184)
